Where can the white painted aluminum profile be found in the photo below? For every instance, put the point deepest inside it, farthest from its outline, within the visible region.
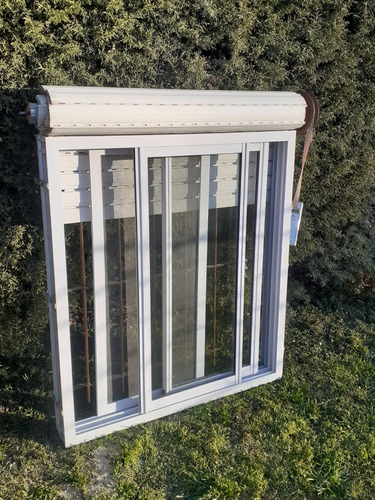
(72, 111)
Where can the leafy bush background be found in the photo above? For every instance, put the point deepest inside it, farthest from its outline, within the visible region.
(326, 46)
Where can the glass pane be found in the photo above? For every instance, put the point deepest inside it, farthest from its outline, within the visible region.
(203, 220)
(121, 279)
(81, 316)
(185, 225)
(184, 204)
(268, 243)
(221, 264)
(156, 278)
(250, 224)
(76, 204)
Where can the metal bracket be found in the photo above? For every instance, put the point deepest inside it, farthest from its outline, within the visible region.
(295, 223)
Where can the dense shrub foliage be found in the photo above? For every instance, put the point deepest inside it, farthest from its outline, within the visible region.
(326, 46)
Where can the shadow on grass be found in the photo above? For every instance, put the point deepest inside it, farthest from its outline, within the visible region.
(26, 401)
(23, 427)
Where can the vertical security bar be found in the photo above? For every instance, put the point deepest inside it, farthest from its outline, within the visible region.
(204, 197)
(100, 302)
(131, 304)
(261, 197)
(121, 305)
(84, 306)
(166, 179)
(214, 312)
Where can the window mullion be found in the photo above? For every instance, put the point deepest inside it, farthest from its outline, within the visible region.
(167, 272)
(100, 302)
(261, 198)
(143, 274)
(241, 259)
(204, 197)
(61, 290)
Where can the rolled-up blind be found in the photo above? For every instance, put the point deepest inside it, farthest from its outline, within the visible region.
(108, 111)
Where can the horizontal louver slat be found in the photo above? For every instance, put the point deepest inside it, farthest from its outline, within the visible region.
(118, 184)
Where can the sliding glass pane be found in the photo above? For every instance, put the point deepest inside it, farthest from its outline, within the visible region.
(250, 224)
(193, 239)
(185, 180)
(76, 205)
(180, 241)
(268, 244)
(221, 264)
(121, 276)
(81, 316)
(156, 269)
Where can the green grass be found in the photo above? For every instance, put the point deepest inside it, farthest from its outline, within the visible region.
(309, 435)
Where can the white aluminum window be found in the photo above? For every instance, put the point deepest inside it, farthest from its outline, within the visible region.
(166, 219)
(167, 261)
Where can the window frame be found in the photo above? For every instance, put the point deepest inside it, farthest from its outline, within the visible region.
(118, 415)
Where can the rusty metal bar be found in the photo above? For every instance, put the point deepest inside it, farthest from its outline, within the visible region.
(215, 288)
(186, 291)
(121, 303)
(85, 320)
(153, 260)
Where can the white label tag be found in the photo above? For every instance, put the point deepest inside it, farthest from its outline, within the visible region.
(295, 224)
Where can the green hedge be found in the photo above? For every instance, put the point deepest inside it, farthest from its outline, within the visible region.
(322, 45)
